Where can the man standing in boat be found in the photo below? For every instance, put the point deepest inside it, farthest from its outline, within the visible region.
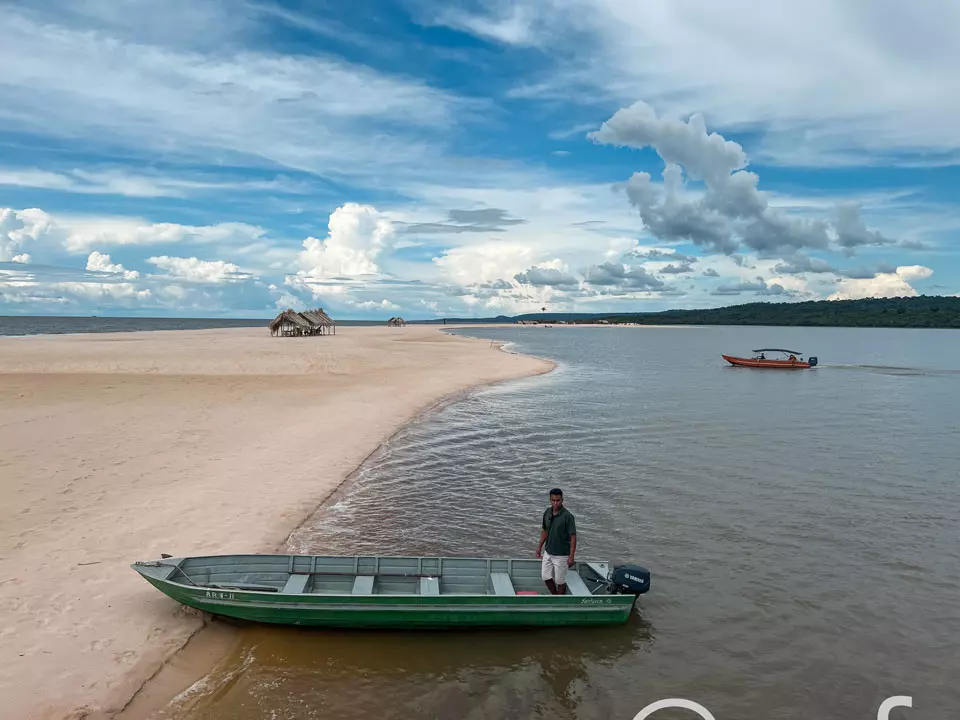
(559, 533)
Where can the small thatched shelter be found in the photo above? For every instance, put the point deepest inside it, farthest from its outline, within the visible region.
(301, 324)
(396, 322)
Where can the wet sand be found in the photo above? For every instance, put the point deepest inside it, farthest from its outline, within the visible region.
(118, 447)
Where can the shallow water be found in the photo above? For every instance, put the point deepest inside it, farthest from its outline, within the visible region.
(801, 527)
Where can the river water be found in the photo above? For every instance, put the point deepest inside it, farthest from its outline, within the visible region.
(802, 529)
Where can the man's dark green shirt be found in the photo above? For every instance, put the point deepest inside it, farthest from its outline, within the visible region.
(559, 528)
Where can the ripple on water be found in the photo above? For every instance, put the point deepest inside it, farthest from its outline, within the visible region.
(801, 529)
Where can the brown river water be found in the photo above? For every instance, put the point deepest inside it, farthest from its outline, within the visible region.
(802, 529)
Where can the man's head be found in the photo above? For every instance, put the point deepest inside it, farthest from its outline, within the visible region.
(556, 498)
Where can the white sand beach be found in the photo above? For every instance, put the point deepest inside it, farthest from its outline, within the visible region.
(118, 447)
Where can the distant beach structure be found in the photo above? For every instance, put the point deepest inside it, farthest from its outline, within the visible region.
(396, 322)
(302, 324)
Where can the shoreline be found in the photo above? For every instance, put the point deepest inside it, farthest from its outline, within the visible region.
(432, 368)
(199, 656)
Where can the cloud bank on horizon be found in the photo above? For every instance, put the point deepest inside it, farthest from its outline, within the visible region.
(424, 161)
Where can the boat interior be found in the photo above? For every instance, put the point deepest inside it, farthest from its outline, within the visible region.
(359, 575)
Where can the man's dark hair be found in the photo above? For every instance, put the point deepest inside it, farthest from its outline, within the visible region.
(557, 491)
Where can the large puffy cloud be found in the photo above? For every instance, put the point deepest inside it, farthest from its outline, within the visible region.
(706, 157)
(773, 233)
(343, 270)
(732, 213)
(357, 235)
(485, 262)
(889, 284)
(671, 219)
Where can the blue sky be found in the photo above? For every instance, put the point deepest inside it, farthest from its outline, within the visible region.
(424, 159)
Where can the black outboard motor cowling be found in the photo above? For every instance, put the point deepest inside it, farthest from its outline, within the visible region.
(812, 361)
(630, 580)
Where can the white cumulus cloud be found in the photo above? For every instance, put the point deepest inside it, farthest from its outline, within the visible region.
(18, 228)
(892, 284)
(357, 235)
(84, 233)
(196, 270)
(374, 305)
(732, 213)
(99, 262)
(485, 262)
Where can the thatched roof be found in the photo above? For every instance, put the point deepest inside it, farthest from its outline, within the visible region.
(308, 321)
(318, 317)
(396, 321)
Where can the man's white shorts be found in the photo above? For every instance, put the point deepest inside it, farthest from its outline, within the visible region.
(554, 567)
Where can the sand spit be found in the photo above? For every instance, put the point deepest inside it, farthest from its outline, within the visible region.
(117, 447)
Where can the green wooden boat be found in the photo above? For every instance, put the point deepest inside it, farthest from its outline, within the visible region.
(396, 592)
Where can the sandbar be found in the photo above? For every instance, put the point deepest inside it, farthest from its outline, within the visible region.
(118, 447)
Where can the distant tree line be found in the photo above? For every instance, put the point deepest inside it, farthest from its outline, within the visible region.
(901, 312)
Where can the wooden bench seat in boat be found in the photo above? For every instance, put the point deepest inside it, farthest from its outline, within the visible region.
(296, 584)
(502, 584)
(576, 585)
(363, 585)
(429, 586)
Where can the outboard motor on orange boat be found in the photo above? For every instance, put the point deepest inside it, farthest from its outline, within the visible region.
(812, 361)
(629, 580)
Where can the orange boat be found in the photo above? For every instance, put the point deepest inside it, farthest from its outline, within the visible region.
(789, 360)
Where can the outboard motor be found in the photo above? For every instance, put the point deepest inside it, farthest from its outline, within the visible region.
(630, 580)
(812, 361)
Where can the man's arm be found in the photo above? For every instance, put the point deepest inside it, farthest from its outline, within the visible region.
(543, 539)
(573, 550)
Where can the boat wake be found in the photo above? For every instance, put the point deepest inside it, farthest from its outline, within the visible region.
(893, 370)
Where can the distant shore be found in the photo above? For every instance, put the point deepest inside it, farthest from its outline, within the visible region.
(120, 446)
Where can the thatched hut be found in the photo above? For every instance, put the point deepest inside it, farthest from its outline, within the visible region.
(321, 321)
(301, 324)
(396, 322)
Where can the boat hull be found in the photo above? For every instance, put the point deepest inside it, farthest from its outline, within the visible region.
(768, 364)
(395, 611)
(406, 613)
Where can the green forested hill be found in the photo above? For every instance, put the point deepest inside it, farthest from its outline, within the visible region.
(916, 312)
